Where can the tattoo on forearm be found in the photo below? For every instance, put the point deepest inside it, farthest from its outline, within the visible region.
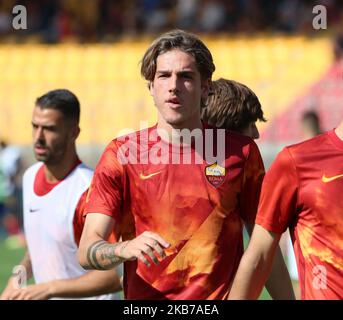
(91, 254)
(101, 255)
(107, 253)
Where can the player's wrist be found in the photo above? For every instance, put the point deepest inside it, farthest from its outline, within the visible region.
(119, 249)
(52, 289)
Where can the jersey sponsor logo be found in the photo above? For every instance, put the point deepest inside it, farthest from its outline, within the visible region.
(215, 174)
(34, 209)
(326, 179)
(148, 176)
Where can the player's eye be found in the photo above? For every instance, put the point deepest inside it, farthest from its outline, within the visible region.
(187, 76)
(50, 128)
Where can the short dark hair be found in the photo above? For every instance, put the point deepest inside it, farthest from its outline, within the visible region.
(231, 105)
(62, 100)
(310, 115)
(312, 118)
(184, 41)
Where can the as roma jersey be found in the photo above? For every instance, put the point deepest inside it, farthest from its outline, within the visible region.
(197, 207)
(303, 190)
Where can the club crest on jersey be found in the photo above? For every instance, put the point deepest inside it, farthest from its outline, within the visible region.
(215, 174)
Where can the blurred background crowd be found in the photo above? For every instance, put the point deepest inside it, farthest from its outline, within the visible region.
(108, 20)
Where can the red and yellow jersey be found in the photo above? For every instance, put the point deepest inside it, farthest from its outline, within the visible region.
(80, 219)
(198, 208)
(303, 191)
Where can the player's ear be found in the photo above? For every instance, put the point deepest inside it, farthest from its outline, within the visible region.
(78, 130)
(205, 88)
(75, 132)
(151, 88)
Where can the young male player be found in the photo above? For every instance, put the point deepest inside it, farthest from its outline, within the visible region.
(180, 222)
(234, 106)
(301, 191)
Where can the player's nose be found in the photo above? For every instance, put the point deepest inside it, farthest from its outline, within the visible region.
(38, 135)
(173, 84)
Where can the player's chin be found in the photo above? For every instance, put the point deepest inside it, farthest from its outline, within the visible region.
(175, 123)
(41, 157)
(175, 119)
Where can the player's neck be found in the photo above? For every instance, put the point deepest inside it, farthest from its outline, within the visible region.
(339, 131)
(57, 172)
(174, 131)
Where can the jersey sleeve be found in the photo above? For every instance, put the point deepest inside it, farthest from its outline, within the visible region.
(279, 194)
(79, 218)
(79, 221)
(105, 194)
(251, 186)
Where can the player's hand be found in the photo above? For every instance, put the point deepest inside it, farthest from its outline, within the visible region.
(8, 291)
(148, 244)
(33, 292)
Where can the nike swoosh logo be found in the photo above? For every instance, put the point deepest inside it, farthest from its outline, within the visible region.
(146, 177)
(33, 210)
(326, 179)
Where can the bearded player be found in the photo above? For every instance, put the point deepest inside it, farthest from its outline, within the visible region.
(54, 192)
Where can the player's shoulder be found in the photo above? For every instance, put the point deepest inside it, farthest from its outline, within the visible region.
(239, 138)
(307, 147)
(296, 154)
(84, 172)
(236, 144)
(130, 142)
(32, 170)
(84, 169)
(130, 136)
(240, 143)
(232, 136)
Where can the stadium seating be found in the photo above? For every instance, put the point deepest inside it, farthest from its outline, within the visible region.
(113, 95)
